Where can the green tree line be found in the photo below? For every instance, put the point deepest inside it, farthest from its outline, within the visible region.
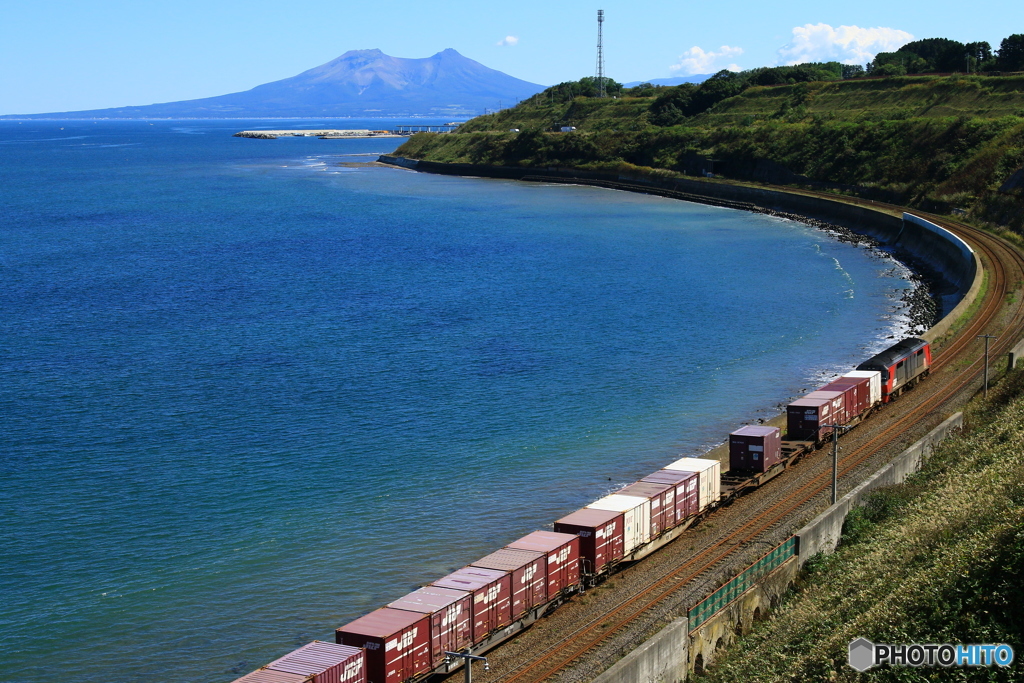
(942, 55)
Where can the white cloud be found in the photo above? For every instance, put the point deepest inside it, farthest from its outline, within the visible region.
(696, 61)
(508, 40)
(846, 44)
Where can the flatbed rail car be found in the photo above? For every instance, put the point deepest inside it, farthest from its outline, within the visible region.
(736, 484)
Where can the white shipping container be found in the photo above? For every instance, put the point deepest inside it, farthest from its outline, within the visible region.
(710, 477)
(874, 383)
(636, 518)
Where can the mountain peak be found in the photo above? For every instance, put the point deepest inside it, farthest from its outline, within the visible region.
(358, 83)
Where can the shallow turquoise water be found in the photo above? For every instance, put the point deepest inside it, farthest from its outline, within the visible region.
(249, 394)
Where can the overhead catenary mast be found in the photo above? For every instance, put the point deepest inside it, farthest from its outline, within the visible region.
(600, 55)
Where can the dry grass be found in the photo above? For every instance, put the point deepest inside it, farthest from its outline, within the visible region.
(938, 559)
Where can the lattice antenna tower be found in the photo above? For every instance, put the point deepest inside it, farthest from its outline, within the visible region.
(600, 55)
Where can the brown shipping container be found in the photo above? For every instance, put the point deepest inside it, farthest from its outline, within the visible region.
(492, 597)
(804, 417)
(397, 643)
(528, 569)
(563, 553)
(324, 663)
(663, 503)
(601, 536)
(838, 411)
(687, 490)
(754, 448)
(265, 676)
(850, 399)
(451, 618)
(858, 393)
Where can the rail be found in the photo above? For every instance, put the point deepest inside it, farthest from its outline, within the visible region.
(741, 583)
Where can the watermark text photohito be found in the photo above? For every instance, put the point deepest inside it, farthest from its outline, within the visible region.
(863, 654)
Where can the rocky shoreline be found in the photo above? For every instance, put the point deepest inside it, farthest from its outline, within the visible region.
(920, 302)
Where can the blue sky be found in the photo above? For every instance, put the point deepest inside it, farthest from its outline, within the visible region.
(62, 56)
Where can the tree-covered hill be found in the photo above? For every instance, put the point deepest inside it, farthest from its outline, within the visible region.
(940, 142)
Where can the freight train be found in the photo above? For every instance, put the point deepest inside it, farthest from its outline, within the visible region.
(479, 606)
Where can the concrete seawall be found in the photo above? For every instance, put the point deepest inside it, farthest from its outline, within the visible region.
(948, 262)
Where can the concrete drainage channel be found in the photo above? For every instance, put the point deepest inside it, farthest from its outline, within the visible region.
(676, 650)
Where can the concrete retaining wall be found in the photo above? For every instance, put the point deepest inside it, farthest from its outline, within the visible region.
(822, 534)
(739, 615)
(955, 258)
(1016, 353)
(943, 247)
(662, 659)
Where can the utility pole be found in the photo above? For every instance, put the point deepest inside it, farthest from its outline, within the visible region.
(469, 659)
(835, 460)
(986, 337)
(600, 54)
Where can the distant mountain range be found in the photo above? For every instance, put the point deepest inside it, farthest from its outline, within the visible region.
(362, 83)
(675, 80)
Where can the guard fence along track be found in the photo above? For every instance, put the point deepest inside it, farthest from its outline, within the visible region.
(958, 365)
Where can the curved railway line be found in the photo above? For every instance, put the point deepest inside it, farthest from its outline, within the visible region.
(956, 369)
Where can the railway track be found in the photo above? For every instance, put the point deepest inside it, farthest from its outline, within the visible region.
(956, 370)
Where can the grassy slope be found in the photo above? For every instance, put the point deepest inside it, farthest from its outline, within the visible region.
(938, 559)
(933, 142)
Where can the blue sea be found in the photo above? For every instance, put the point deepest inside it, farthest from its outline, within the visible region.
(252, 389)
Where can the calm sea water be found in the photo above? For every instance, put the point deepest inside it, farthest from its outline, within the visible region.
(249, 393)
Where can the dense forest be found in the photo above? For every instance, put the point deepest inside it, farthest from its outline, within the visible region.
(909, 128)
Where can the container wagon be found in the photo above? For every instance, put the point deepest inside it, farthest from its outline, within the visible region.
(489, 601)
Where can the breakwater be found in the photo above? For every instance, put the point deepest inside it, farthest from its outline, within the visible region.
(323, 134)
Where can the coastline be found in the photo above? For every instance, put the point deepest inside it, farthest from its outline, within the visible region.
(920, 305)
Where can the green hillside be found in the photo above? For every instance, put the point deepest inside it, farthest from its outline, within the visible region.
(936, 142)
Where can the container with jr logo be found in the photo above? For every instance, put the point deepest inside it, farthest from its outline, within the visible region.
(603, 542)
(687, 491)
(491, 590)
(397, 643)
(449, 612)
(563, 558)
(527, 572)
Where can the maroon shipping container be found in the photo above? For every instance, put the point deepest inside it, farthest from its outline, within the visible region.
(600, 533)
(528, 569)
(838, 413)
(858, 393)
(324, 663)
(265, 676)
(754, 448)
(492, 597)
(687, 490)
(451, 618)
(397, 643)
(563, 553)
(804, 417)
(663, 503)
